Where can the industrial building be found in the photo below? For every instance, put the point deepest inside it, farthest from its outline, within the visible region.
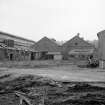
(77, 48)
(15, 48)
(48, 49)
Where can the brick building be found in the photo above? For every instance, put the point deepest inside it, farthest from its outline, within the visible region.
(77, 48)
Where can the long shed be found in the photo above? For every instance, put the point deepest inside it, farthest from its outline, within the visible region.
(13, 47)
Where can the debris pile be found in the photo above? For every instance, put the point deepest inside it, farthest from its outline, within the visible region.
(35, 90)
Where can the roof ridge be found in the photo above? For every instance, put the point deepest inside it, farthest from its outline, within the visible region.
(74, 38)
(46, 44)
(47, 39)
(15, 36)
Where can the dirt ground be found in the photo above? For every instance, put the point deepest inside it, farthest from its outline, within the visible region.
(39, 90)
(52, 85)
(68, 73)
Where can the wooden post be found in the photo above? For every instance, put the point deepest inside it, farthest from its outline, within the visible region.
(22, 98)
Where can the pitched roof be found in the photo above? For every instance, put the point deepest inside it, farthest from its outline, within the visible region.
(14, 36)
(45, 44)
(77, 39)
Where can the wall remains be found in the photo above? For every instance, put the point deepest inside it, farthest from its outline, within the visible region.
(101, 49)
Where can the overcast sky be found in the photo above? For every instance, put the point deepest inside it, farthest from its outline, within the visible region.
(59, 19)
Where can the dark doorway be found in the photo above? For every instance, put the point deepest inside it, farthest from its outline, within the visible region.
(32, 56)
(11, 57)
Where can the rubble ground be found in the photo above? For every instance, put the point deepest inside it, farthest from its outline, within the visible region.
(46, 91)
(58, 84)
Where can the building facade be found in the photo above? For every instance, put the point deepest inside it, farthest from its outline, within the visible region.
(101, 48)
(77, 48)
(48, 49)
(15, 48)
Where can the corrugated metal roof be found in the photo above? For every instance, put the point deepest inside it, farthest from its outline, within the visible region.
(15, 36)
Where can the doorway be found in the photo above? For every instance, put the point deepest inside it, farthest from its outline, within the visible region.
(10, 57)
(32, 56)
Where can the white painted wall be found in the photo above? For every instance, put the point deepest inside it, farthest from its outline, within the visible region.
(58, 57)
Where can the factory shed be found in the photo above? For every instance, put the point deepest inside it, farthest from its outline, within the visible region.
(15, 48)
(77, 48)
(48, 49)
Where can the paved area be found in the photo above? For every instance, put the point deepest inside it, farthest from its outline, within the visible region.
(68, 73)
